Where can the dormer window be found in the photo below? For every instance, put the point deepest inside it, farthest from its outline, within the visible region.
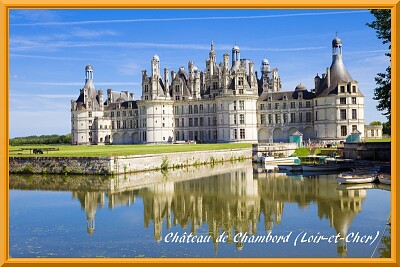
(342, 89)
(354, 89)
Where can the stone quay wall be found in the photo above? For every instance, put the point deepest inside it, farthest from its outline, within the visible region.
(122, 164)
(135, 163)
(379, 151)
(60, 165)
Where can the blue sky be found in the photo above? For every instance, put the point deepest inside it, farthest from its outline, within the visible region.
(49, 50)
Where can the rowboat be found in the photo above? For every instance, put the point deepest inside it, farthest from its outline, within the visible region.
(384, 178)
(359, 177)
(276, 161)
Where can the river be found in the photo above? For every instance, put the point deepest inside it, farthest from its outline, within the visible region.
(227, 210)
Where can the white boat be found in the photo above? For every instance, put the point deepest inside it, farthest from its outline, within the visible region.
(276, 161)
(320, 167)
(357, 177)
(384, 178)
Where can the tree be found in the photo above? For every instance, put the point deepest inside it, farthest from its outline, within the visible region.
(382, 26)
(376, 123)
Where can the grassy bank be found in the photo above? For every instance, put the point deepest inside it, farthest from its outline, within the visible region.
(371, 140)
(120, 150)
(305, 151)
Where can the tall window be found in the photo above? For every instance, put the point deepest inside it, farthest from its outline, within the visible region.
(284, 106)
(262, 119)
(277, 118)
(354, 89)
(354, 114)
(308, 116)
(146, 88)
(285, 118)
(269, 106)
(308, 104)
(196, 109)
(241, 116)
(300, 117)
(343, 130)
(234, 105)
(353, 128)
(201, 108)
(234, 133)
(342, 89)
(292, 105)
(292, 117)
(240, 81)
(342, 100)
(270, 118)
(262, 106)
(342, 114)
(183, 122)
(241, 104)
(90, 114)
(196, 122)
(242, 134)
(354, 100)
(201, 121)
(190, 122)
(177, 89)
(234, 119)
(300, 104)
(190, 109)
(276, 105)
(215, 85)
(177, 122)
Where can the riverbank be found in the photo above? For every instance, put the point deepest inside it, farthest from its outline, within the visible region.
(123, 164)
(117, 150)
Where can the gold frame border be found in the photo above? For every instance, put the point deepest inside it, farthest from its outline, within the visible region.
(6, 5)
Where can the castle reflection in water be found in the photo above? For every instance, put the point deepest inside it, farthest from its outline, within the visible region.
(230, 198)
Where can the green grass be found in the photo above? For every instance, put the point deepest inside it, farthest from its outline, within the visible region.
(305, 151)
(387, 139)
(121, 150)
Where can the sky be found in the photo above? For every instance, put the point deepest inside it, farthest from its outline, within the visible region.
(49, 50)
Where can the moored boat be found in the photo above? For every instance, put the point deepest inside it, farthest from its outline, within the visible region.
(384, 178)
(290, 167)
(273, 160)
(357, 177)
(320, 168)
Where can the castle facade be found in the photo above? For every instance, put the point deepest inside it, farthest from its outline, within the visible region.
(227, 102)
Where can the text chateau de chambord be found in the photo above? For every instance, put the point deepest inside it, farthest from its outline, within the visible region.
(227, 102)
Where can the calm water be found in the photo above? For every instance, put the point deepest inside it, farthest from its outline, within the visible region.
(231, 208)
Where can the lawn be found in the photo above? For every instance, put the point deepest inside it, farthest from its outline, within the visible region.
(120, 150)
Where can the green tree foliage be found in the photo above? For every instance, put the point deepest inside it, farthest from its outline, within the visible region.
(382, 26)
(386, 128)
(41, 140)
(376, 123)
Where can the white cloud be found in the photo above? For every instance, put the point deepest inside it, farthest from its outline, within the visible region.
(57, 23)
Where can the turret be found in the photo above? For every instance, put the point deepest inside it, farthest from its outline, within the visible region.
(101, 101)
(235, 56)
(166, 77)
